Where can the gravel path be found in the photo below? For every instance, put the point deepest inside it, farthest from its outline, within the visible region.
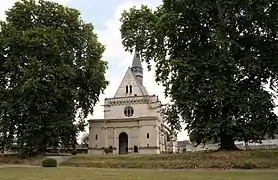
(17, 166)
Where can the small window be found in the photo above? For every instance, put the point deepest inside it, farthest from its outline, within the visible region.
(135, 94)
(135, 149)
(148, 145)
(130, 89)
(96, 136)
(126, 89)
(148, 135)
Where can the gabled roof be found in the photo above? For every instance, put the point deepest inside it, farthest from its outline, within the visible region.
(129, 76)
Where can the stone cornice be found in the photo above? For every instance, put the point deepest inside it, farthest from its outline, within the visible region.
(149, 118)
(145, 96)
(129, 100)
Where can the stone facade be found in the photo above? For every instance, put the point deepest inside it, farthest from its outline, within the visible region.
(132, 119)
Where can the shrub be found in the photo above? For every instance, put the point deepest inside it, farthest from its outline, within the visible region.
(106, 150)
(74, 152)
(49, 162)
(110, 150)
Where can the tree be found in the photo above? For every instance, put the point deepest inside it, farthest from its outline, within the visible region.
(194, 138)
(51, 71)
(214, 59)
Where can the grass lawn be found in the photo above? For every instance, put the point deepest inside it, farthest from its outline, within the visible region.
(220, 160)
(68, 173)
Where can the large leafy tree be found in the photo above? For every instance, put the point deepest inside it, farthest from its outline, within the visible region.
(51, 75)
(214, 59)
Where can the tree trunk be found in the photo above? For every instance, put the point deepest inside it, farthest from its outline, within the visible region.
(227, 143)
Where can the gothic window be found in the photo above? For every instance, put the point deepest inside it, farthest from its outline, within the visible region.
(128, 111)
(126, 89)
(148, 135)
(96, 136)
(130, 89)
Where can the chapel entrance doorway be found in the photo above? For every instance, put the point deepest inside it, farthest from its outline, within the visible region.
(123, 143)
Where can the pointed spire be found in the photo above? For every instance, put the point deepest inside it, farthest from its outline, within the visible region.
(136, 60)
(136, 68)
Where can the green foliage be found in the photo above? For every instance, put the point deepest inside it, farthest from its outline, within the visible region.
(106, 150)
(49, 162)
(50, 70)
(74, 152)
(214, 59)
(194, 137)
(110, 149)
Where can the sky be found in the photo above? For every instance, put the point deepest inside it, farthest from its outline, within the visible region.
(105, 15)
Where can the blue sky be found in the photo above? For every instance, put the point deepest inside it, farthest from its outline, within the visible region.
(104, 15)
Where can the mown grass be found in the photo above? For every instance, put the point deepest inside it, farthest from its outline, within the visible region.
(68, 173)
(190, 160)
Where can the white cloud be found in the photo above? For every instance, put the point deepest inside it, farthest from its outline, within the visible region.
(111, 36)
(115, 53)
(7, 4)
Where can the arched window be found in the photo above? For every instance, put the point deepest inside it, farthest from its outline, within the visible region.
(148, 135)
(135, 149)
(130, 89)
(96, 136)
(126, 89)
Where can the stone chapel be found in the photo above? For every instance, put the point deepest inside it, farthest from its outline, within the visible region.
(132, 119)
